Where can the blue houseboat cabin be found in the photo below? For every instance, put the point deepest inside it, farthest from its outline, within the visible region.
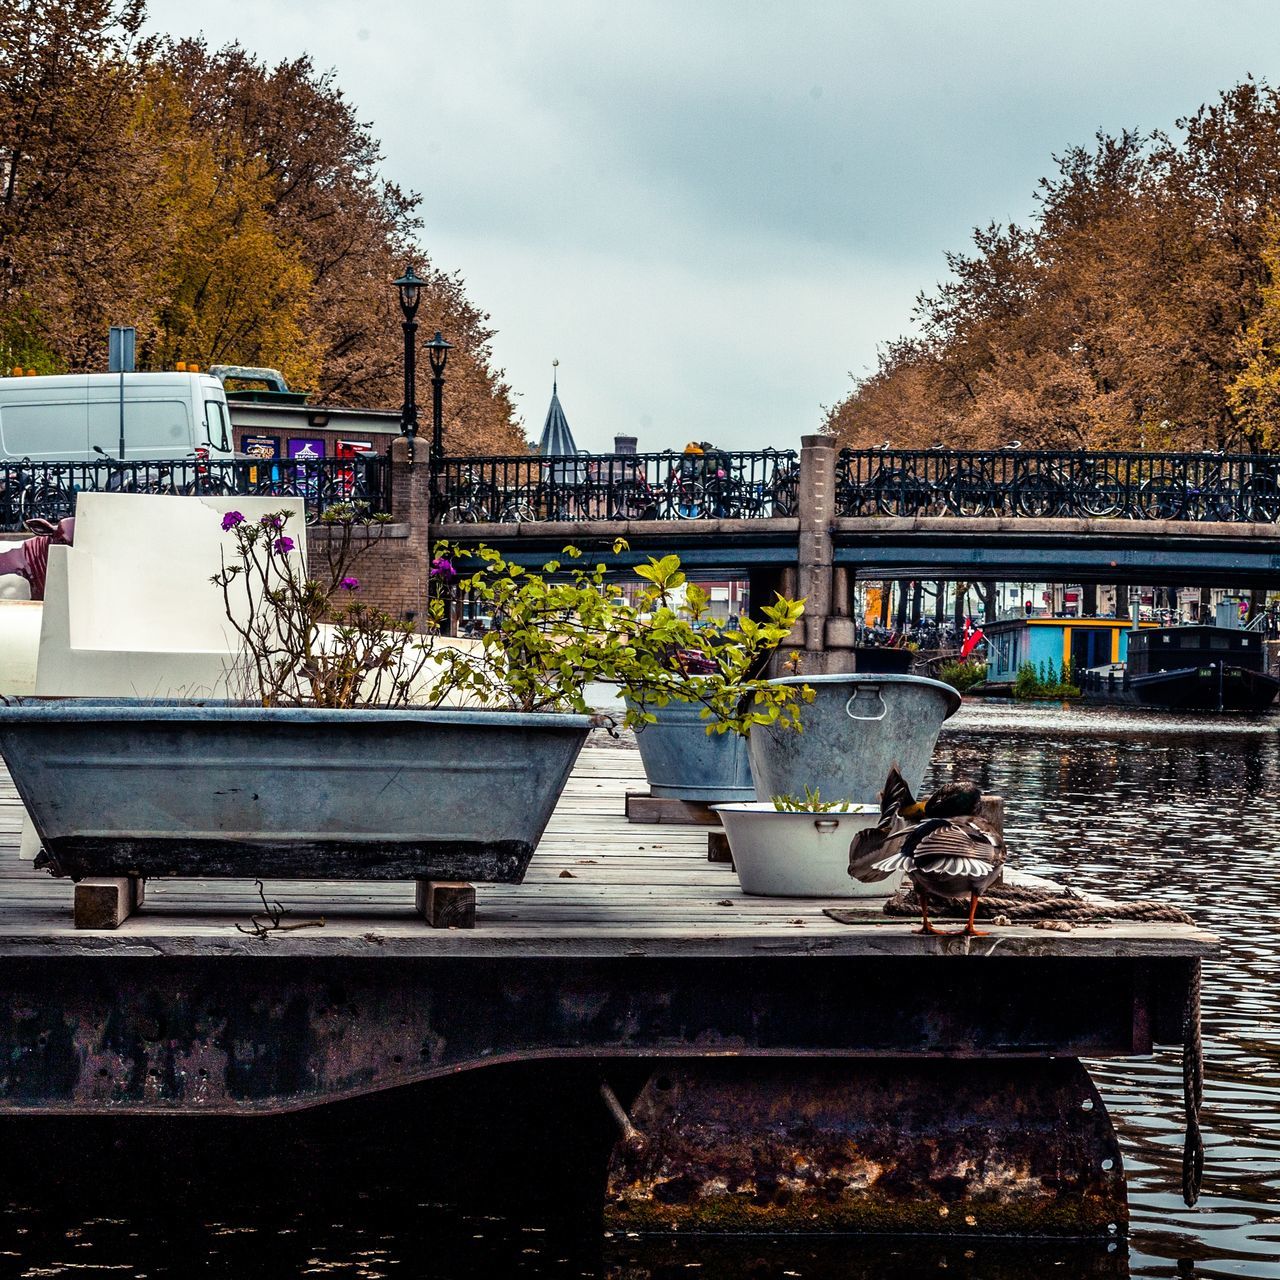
(1077, 642)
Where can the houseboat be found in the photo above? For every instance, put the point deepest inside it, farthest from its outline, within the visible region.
(1073, 644)
(1188, 668)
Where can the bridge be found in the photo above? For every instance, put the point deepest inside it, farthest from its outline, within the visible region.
(812, 524)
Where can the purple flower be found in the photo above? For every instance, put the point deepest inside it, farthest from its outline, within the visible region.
(350, 584)
(443, 568)
(230, 520)
(272, 522)
(283, 546)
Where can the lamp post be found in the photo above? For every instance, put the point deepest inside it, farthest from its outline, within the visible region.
(438, 353)
(409, 287)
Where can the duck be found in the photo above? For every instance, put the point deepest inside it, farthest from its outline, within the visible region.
(943, 846)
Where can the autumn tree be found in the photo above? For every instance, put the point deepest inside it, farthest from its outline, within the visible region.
(233, 212)
(1132, 312)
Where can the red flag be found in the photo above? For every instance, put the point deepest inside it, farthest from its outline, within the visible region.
(973, 637)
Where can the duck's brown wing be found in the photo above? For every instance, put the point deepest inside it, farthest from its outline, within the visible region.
(873, 844)
(966, 847)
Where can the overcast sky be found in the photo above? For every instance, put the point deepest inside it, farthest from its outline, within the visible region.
(712, 212)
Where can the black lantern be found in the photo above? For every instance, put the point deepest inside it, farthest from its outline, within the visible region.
(438, 353)
(409, 287)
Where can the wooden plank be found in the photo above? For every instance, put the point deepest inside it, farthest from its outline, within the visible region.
(106, 903)
(447, 904)
(643, 807)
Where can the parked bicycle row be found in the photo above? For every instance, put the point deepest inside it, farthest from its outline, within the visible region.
(48, 490)
(702, 483)
(1046, 483)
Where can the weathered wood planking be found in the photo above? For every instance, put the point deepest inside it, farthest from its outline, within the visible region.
(631, 891)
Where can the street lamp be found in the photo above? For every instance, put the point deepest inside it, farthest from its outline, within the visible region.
(409, 287)
(438, 353)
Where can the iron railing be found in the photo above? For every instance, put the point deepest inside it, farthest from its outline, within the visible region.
(47, 490)
(1048, 482)
(717, 485)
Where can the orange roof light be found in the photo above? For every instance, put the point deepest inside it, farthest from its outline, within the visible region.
(16, 371)
(31, 373)
(193, 368)
(181, 366)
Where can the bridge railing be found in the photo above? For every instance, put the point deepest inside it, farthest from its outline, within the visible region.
(47, 490)
(1046, 482)
(716, 485)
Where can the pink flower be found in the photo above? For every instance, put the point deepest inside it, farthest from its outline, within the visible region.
(283, 546)
(350, 584)
(443, 568)
(230, 520)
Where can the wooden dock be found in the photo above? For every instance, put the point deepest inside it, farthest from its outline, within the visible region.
(781, 1040)
(598, 886)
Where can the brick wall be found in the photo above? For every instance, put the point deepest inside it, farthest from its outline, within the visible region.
(393, 570)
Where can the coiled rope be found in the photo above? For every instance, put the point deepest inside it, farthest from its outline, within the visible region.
(1026, 902)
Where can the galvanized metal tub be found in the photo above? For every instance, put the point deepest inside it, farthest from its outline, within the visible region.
(121, 787)
(856, 727)
(683, 762)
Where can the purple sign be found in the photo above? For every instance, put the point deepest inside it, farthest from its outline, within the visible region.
(306, 449)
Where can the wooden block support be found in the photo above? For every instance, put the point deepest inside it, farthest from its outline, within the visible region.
(643, 807)
(447, 904)
(991, 807)
(106, 903)
(718, 847)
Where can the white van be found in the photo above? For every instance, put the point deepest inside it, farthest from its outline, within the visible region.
(165, 415)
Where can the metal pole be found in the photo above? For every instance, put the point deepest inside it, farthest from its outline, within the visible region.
(409, 413)
(437, 415)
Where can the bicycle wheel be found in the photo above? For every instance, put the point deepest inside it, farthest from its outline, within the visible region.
(631, 500)
(519, 507)
(1260, 500)
(900, 493)
(1037, 496)
(784, 499)
(971, 491)
(46, 501)
(1161, 498)
(1101, 493)
(1218, 501)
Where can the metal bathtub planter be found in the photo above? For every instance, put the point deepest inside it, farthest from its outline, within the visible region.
(683, 762)
(120, 787)
(856, 727)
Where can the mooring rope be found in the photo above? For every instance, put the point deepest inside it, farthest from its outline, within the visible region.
(1026, 902)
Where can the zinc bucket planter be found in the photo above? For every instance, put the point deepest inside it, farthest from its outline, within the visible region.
(683, 762)
(798, 855)
(122, 787)
(856, 728)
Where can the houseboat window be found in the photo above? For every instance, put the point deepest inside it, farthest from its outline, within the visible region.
(1218, 642)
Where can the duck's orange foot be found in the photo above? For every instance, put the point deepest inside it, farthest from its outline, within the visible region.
(927, 928)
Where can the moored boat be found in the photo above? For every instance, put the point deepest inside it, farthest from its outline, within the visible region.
(1190, 668)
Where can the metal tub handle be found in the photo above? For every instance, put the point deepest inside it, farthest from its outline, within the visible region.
(853, 697)
(826, 824)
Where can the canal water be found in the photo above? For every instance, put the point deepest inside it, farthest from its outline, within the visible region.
(1125, 803)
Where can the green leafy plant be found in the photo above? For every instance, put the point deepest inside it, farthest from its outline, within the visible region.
(962, 676)
(810, 802)
(1029, 685)
(557, 630)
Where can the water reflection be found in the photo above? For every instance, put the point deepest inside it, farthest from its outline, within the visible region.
(1180, 810)
(1106, 800)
